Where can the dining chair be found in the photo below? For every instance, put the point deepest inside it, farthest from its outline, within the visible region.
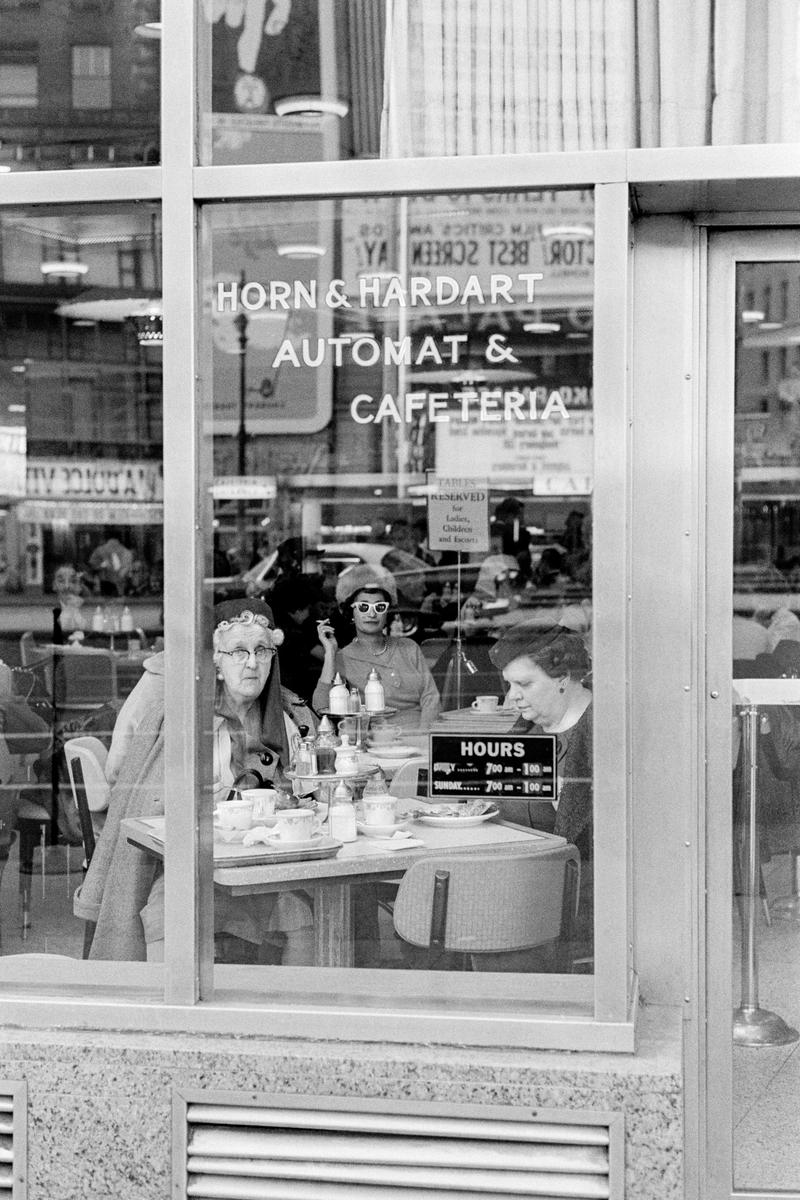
(86, 759)
(405, 780)
(487, 908)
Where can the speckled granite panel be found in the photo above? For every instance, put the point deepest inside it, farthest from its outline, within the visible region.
(100, 1104)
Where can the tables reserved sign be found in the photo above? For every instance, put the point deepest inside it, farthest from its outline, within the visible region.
(474, 764)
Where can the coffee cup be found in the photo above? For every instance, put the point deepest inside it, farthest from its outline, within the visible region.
(296, 824)
(384, 735)
(263, 801)
(379, 810)
(235, 814)
(485, 704)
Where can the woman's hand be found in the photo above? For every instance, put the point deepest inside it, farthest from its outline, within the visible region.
(327, 638)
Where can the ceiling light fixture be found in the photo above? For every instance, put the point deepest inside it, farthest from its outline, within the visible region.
(541, 327)
(751, 316)
(63, 268)
(572, 231)
(300, 250)
(150, 30)
(310, 106)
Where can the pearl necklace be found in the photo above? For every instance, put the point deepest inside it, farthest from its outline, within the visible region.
(377, 653)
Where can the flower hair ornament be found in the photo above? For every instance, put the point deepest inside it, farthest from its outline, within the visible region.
(247, 611)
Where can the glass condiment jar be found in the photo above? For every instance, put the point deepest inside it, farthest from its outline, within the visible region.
(376, 785)
(306, 758)
(354, 701)
(346, 758)
(325, 745)
(342, 814)
(338, 697)
(374, 699)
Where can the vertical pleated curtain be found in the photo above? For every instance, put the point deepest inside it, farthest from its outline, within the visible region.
(524, 76)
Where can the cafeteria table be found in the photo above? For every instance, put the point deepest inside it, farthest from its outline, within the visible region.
(330, 879)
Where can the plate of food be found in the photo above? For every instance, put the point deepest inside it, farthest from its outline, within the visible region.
(474, 812)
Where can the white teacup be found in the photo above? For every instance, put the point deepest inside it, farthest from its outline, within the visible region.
(263, 801)
(379, 810)
(296, 824)
(485, 703)
(235, 814)
(384, 735)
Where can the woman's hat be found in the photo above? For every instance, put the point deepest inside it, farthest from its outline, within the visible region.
(234, 610)
(556, 649)
(364, 578)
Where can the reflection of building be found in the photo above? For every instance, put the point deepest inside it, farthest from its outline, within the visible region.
(78, 381)
(77, 87)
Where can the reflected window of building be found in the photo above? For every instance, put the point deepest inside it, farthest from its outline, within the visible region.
(91, 77)
(102, 66)
(19, 84)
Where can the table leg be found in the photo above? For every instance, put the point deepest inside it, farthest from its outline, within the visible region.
(333, 925)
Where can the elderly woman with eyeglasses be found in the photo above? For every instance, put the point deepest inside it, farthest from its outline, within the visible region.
(253, 723)
(365, 596)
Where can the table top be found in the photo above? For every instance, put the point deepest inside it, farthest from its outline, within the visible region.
(360, 858)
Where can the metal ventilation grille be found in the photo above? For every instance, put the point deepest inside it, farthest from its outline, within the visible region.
(13, 1155)
(257, 1153)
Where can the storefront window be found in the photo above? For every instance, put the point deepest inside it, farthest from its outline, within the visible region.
(81, 544)
(79, 84)
(402, 503)
(326, 79)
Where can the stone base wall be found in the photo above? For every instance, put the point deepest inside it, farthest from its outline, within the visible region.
(100, 1104)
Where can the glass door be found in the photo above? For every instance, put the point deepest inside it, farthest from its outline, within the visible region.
(752, 625)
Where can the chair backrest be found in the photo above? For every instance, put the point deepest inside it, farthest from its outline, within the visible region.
(405, 780)
(495, 902)
(29, 651)
(84, 678)
(91, 754)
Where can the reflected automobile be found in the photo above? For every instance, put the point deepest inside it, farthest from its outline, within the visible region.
(415, 579)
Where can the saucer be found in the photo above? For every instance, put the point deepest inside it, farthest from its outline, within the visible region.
(381, 831)
(228, 835)
(306, 844)
(394, 751)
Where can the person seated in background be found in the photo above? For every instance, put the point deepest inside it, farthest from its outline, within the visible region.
(365, 596)
(547, 670)
(123, 891)
(294, 602)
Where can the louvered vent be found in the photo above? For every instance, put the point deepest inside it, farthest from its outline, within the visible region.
(264, 1153)
(13, 1155)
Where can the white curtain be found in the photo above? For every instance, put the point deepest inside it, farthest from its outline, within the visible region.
(521, 76)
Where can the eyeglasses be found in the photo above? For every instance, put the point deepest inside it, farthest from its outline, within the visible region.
(369, 606)
(241, 655)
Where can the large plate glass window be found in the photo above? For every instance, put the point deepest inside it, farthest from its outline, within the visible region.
(81, 545)
(293, 80)
(402, 501)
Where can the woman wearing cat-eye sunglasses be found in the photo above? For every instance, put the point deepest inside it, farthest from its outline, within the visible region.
(366, 596)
